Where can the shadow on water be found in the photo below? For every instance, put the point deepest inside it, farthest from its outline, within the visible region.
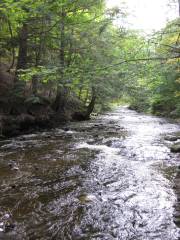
(109, 178)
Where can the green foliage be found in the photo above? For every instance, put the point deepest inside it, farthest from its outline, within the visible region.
(166, 97)
(153, 85)
(43, 73)
(74, 45)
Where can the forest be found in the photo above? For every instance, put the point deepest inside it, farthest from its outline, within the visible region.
(63, 60)
(89, 120)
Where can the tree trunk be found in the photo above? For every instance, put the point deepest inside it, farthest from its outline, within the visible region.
(85, 115)
(62, 45)
(86, 97)
(70, 52)
(37, 62)
(13, 48)
(90, 108)
(60, 101)
(34, 84)
(23, 47)
(80, 91)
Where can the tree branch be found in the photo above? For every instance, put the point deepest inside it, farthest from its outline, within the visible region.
(139, 60)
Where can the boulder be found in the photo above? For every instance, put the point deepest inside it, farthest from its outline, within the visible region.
(172, 138)
(175, 148)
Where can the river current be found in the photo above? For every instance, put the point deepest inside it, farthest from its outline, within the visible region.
(105, 179)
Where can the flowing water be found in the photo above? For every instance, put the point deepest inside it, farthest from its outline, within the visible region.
(109, 178)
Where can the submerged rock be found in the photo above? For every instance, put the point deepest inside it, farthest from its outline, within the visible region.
(172, 138)
(87, 198)
(175, 148)
(177, 221)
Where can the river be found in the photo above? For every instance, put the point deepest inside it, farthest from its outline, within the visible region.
(104, 179)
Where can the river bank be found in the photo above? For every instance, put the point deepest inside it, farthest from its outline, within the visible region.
(28, 115)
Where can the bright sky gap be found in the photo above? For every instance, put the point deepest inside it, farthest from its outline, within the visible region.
(146, 15)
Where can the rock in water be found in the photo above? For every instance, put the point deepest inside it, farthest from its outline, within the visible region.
(175, 148)
(171, 138)
(87, 198)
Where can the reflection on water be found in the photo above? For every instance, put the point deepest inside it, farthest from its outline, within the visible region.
(109, 178)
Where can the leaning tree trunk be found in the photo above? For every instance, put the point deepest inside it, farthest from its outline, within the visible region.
(85, 115)
(91, 106)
